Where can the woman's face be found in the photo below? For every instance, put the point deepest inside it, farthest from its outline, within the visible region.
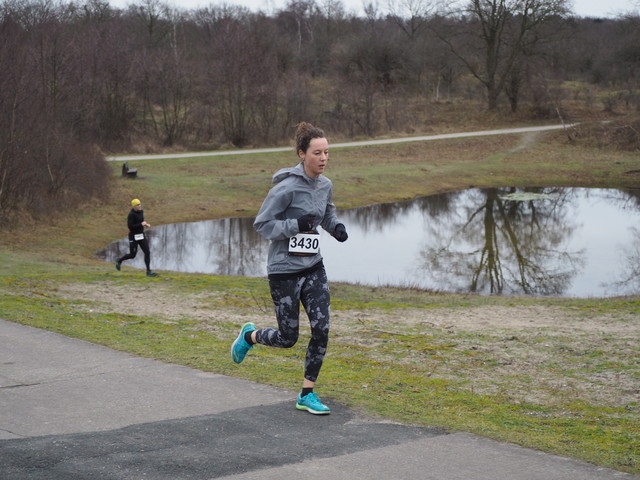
(316, 157)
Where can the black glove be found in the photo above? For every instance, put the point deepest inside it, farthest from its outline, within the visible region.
(306, 223)
(340, 233)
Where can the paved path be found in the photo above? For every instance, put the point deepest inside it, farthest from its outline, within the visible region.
(384, 141)
(70, 409)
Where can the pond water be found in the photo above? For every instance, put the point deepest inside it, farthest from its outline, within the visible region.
(569, 242)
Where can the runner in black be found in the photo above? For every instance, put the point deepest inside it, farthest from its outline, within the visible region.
(137, 237)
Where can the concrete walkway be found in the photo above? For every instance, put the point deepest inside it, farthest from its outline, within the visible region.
(70, 409)
(383, 141)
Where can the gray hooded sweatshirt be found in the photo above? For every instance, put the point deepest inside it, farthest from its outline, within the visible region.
(293, 195)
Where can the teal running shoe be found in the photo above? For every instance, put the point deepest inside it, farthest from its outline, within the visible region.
(312, 404)
(240, 347)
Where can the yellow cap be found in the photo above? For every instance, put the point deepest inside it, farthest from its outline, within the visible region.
(135, 202)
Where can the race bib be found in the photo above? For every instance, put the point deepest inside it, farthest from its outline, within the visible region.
(138, 236)
(304, 244)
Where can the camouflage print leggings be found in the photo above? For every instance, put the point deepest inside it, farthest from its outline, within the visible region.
(313, 290)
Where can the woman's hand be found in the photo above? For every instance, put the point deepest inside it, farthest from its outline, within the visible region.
(340, 233)
(306, 223)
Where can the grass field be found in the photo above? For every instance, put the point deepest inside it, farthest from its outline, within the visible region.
(559, 375)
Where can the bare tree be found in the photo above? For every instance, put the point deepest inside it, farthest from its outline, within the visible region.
(300, 11)
(371, 65)
(410, 15)
(493, 36)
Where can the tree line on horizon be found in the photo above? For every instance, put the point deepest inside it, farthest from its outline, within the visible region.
(82, 78)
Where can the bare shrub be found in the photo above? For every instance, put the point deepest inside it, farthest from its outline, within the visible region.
(618, 134)
(45, 171)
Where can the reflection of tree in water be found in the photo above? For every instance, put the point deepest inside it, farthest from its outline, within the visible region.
(500, 245)
(240, 248)
(628, 282)
(375, 218)
(225, 247)
(167, 245)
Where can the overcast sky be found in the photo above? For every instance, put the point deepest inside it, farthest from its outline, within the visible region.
(582, 8)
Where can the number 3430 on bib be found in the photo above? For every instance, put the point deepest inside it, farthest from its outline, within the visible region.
(304, 244)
